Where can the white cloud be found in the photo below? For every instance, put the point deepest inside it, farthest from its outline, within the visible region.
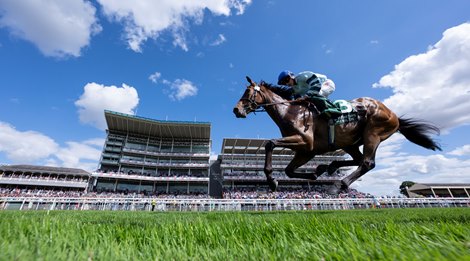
(97, 142)
(146, 19)
(96, 98)
(434, 85)
(84, 155)
(200, 54)
(327, 49)
(178, 90)
(220, 40)
(31, 147)
(155, 76)
(181, 89)
(25, 146)
(461, 151)
(58, 28)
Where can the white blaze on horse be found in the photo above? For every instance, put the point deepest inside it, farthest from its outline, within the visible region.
(304, 132)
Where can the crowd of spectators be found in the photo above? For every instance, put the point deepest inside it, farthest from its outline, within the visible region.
(319, 192)
(286, 193)
(276, 175)
(24, 192)
(59, 193)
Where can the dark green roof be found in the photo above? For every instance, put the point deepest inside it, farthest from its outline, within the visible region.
(43, 169)
(122, 122)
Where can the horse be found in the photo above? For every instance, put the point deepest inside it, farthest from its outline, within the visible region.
(305, 132)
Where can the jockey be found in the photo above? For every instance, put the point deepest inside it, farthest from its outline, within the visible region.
(313, 87)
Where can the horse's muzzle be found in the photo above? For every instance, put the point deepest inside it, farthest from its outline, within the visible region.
(238, 113)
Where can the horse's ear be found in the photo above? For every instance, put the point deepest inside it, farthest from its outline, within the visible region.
(249, 80)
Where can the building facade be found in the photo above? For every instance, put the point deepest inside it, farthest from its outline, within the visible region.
(153, 157)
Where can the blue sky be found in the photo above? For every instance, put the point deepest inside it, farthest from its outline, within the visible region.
(63, 62)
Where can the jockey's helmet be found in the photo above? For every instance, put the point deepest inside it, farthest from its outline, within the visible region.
(283, 75)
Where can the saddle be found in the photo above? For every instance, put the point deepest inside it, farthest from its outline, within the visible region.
(351, 112)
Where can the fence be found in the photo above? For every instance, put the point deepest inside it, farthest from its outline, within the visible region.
(147, 204)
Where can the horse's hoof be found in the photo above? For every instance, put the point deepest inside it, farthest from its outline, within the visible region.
(273, 184)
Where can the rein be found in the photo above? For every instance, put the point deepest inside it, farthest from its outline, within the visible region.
(255, 107)
(260, 107)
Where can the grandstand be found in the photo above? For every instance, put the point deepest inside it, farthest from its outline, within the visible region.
(144, 158)
(148, 156)
(242, 163)
(41, 180)
(439, 190)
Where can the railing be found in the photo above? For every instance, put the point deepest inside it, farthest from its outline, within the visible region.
(146, 204)
(169, 153)
(161, 164)
(151, 178)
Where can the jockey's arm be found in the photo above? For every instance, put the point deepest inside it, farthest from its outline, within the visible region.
(285, 92)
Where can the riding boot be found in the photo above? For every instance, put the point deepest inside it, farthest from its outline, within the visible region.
(329, 114)
(332, 109)
(326, 108)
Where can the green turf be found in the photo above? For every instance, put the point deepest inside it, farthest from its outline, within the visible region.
(385, 234)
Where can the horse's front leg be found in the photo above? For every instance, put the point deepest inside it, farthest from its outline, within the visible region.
(292, 142)
(268, 165)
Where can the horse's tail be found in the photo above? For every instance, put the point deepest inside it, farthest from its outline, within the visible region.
(419, 132)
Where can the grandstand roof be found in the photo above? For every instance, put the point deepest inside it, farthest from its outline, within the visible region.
(421, 186)
(256, 146)
(44, 169)
(127, 123)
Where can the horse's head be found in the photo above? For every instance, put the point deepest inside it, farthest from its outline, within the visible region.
(251, 99)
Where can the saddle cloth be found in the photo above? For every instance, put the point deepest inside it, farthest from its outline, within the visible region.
(350, 112)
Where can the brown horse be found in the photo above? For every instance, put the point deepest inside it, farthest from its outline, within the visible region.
(306, 133)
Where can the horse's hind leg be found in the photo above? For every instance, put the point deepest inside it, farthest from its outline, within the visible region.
(371, 143)
(300, 159)
(336, 164)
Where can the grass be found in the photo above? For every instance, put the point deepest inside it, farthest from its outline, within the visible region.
(382, 234)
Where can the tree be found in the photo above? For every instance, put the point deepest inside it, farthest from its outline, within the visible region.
(404, 185)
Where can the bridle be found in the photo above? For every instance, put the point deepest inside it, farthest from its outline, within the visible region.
(253, 106)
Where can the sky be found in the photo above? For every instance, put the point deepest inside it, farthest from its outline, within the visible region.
(62, 63)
